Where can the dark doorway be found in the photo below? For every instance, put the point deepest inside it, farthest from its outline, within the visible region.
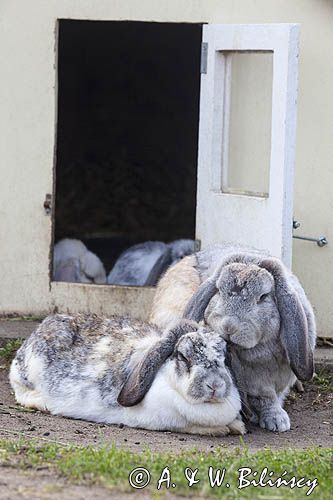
(128, 108)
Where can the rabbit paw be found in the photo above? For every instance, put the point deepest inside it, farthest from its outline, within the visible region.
(276, 419)
(237, 427)
(221, 430)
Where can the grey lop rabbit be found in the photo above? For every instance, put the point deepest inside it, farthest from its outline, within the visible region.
(260, 309)
(119, 370)
(143, 264)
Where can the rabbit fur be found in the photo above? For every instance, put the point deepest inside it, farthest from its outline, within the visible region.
(144, 263)
(260, 308)
(119, 370)
(73, 262)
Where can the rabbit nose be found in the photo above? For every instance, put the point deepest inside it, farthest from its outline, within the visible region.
(229, 325)
(214, 386)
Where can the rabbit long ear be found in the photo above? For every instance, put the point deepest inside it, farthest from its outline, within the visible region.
(294, 324)
(197, 305)
(141, 378)
(160, 266)
(68, 271)
(92, 267)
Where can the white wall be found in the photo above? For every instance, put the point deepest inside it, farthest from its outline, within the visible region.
(27, 124)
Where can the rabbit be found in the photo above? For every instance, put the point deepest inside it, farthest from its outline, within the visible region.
(260, 309)
(120, 370)
(176, 251)
(180, 249)
(73, 262)
(144, 263)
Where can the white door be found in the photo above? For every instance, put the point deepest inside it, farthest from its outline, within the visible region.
(247, 136)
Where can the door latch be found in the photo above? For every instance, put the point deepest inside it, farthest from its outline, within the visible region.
(48, 204)
(321, 240)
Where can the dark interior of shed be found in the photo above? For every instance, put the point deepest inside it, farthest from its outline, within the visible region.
(127, 130)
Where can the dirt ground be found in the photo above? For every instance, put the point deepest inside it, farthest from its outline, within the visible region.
(43, 485)
(310, 413)
(16, 485)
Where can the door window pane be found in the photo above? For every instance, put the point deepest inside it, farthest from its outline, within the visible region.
(249, 77)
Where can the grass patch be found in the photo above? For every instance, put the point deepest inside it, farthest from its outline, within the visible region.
(8, 351)
(17, 317)
(324, 380)
(111, 467)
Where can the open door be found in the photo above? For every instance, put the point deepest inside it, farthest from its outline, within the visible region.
(247, 136)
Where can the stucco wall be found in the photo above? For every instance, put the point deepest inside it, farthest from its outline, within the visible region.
(27, 125)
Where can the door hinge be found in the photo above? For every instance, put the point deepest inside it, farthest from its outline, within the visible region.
(204, 56)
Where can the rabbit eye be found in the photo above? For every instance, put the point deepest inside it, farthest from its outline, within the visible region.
(182, 358)
(263, 297)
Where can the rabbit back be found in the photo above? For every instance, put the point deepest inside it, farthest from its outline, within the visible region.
(69, 359)
(134, 265)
